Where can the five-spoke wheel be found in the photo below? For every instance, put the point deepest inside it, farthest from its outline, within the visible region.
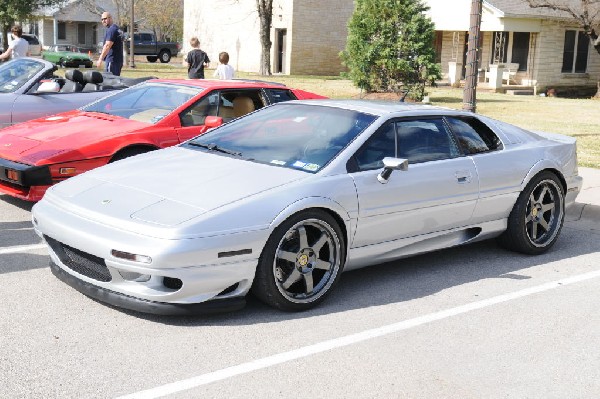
(301, 262)
(537, 217)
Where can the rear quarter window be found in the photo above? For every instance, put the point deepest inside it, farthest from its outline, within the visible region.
(279, 95)
(474, 136)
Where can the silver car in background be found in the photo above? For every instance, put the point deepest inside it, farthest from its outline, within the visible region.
(281, 201)
(29, 90)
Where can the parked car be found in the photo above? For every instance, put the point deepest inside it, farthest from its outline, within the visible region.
(67, 55)
(146, 44)
(151, 115)
(23, 97)
(283, 200)
(35, 47)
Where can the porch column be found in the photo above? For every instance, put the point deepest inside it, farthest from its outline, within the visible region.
(55, 31)
(454, 73)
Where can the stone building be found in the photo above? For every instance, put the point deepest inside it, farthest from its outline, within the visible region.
(519, 46)
(307, 35)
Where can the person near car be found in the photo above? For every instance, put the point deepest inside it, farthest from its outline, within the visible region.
(196, 60)
(224, 70)
(112, 51)
(18, 47)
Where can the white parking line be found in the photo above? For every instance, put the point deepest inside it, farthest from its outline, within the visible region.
(305, 351)
(21, 248)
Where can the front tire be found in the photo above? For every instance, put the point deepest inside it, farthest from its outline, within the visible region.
(152, 58)
(129, 152)
(301, 262)
(536, 220)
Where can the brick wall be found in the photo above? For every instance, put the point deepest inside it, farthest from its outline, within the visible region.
(548, 59)
(320, 30)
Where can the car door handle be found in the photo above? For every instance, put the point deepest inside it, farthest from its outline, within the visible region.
(463, 176)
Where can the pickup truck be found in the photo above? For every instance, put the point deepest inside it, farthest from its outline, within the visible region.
(146, 44)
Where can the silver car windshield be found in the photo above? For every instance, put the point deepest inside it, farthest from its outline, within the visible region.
(16, 73)
(145, 102)
(296, 136)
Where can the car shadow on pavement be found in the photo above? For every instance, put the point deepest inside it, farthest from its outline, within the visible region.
(25, 205)
(416, 277)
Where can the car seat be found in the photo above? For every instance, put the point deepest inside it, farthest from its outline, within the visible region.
(93, 81)
(74, 81)
(242, 106)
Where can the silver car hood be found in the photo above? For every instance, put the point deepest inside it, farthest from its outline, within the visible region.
(167, 187)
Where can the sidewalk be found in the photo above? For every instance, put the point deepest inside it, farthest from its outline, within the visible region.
(585, 213)
(590, 194)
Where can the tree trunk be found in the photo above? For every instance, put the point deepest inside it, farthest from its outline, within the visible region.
(596, 43)
(265, 16)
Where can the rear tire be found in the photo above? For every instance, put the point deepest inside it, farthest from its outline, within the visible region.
(152, 58)
(536, 220)
(164, 56)
(301, 262)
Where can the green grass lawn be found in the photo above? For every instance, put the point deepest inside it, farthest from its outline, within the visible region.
(579, 118)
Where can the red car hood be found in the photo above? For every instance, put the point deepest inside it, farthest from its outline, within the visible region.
(34, 141)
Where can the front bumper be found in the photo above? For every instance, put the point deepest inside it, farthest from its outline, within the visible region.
(140, 305)
(182, 274)
(78, 63)
(26, 182)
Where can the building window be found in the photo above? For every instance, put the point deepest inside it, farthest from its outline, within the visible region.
(81, 33)
(575, 53)
(62, 31)
(520, 49)
(499, 48)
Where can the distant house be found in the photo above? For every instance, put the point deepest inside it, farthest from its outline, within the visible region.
(75, 22)
(541, 47)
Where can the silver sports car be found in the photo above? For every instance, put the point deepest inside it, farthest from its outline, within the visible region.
(29, 89)
(283, 200)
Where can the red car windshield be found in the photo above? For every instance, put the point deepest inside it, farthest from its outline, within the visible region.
(146, 102)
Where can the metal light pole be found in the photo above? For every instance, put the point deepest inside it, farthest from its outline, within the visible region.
(131, 35)
(472, 72)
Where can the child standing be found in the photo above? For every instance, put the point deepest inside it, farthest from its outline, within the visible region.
(224, 70)
(196, 60)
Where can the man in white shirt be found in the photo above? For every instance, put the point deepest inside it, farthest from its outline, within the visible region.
(19, 47)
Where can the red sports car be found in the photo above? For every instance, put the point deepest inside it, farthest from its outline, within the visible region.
(155, 114)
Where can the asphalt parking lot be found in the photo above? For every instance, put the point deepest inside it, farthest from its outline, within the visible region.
(469, 322)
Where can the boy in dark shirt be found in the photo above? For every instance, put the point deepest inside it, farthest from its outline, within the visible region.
(196, 60)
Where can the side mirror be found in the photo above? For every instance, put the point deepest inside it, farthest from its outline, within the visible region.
(389, 165)
(213, 121)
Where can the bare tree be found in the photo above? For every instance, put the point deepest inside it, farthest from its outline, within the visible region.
(265, 16)
(164, 17)
(585, 12)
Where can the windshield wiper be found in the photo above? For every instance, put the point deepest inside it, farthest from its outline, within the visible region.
(214, 147)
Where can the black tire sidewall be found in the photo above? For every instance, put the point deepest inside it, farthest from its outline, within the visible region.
(516, 238)
(264, 286)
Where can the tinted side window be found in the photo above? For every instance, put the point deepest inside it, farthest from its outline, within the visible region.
(382, 144)
(425, 140)
(278, 95)
(473, 135)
